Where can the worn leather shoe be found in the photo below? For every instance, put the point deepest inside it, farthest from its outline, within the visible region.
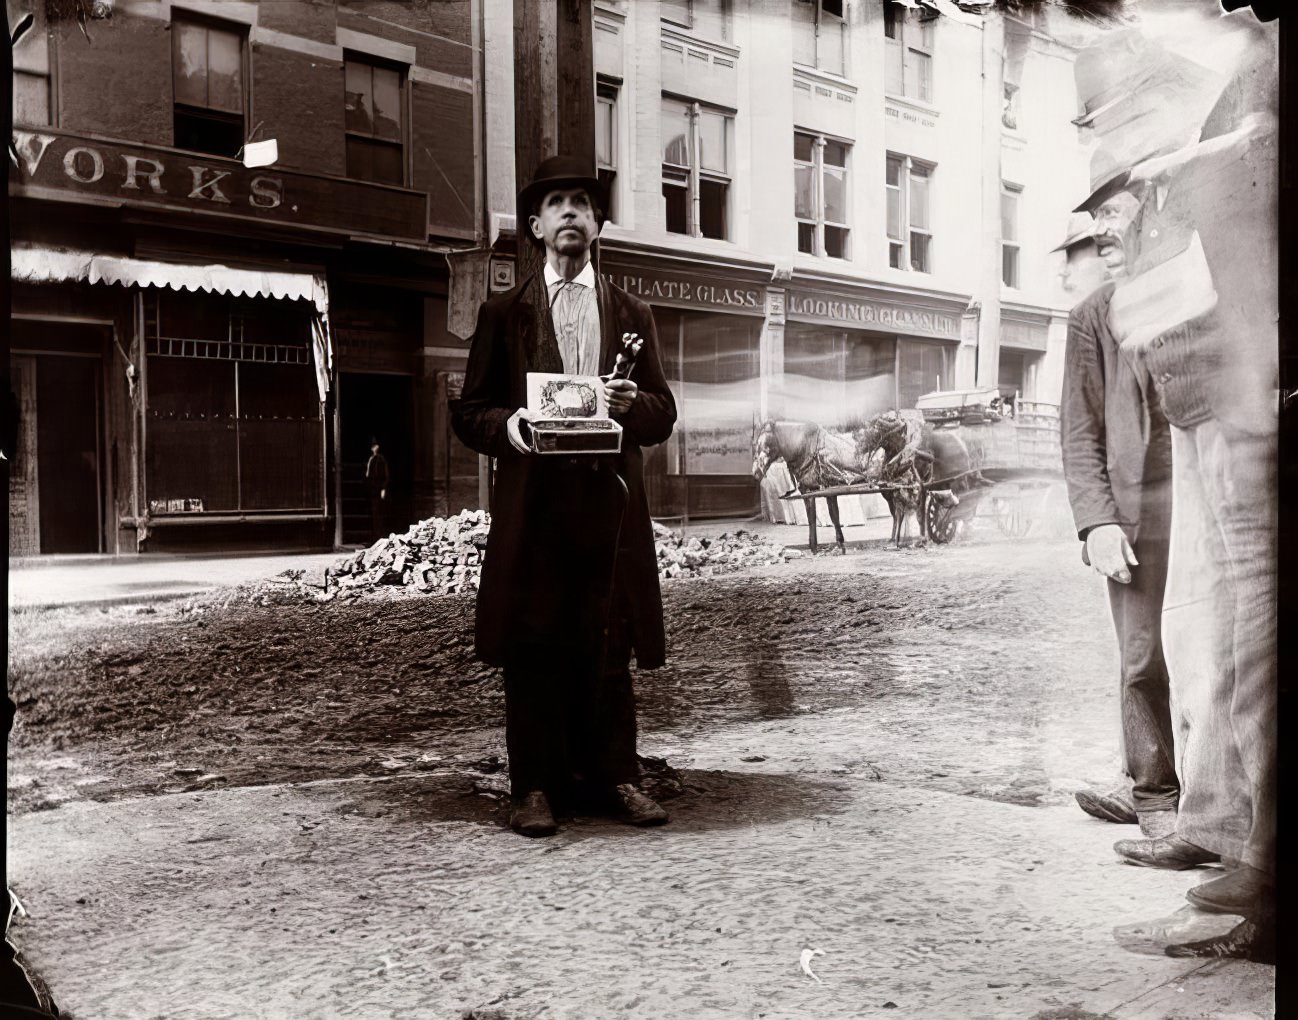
(1171, 853)
(1241, 891)
(637, 808)
(1156, 824)
(532, 816)
(1248, 940)
(1114, 806)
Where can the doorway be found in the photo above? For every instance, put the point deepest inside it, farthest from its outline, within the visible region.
(55, 487)
(379, 405)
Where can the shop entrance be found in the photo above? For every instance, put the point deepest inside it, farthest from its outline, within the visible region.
(55, 502)
(380, 405)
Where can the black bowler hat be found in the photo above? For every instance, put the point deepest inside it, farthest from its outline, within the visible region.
(561, 172)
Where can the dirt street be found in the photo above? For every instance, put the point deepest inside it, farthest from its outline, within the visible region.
(297, 810)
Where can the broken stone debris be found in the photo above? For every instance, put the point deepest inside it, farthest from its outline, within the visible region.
(444, 556)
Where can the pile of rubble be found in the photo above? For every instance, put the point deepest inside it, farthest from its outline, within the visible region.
(443, 556)
(439, 555)
(705, 557)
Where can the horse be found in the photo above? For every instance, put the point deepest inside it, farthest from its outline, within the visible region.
(898, 445)
(816, 459)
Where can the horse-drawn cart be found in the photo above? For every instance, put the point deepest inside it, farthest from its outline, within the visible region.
(1014, 453)
(938, 462)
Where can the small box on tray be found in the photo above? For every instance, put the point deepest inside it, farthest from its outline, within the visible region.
(571, 415)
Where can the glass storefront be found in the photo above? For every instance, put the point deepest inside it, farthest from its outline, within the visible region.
(922, 367)
(712, 362)
(233, 420)
(836, 378)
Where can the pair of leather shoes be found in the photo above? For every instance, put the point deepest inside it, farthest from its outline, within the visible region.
(1170, 853)
(532, 816)
(636, 808)
(1242, 890)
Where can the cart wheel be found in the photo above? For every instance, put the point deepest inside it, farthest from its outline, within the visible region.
(941, 522)
(1011, 518)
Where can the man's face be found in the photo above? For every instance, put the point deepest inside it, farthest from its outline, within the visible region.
(1115, 230)
(1083, 270)
(566, 221)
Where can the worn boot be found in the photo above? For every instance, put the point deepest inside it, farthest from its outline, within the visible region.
(638, 808)
(1170, 853)
(1114, 806)
(532, 817)
(1156, 824)
(1248, 940)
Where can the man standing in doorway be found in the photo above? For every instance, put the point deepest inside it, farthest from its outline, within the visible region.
(569, 585)
(377, 481)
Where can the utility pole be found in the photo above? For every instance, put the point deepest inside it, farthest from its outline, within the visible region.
(989, 286)
(554, 96)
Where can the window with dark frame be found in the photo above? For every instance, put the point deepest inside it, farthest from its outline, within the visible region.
(374, 120)
(208, 86)
(820, 34)
(820, 195)
(606, 138)
(234, 418)
(908, 57)
(910, 237)
(696, 168)
(31, 81)
(1010, 195)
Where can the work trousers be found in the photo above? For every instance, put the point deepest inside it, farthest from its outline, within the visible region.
(570, 719)
(1148, 746)
(1219, 630)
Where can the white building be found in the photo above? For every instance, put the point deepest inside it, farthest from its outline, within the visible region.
(833, 206)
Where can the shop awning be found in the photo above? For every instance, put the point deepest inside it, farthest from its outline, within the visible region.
(49, 265)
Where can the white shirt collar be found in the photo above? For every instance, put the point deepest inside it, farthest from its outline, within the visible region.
(586, 277)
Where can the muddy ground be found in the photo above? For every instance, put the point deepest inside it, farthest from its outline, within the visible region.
(915, 719)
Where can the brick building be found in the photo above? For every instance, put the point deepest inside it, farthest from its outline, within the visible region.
(202, 348)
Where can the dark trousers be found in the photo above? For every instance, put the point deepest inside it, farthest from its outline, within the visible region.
(1147, 735)
(378, 518)
(570, 719)
(1148, 746)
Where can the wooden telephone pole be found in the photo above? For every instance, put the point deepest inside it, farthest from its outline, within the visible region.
(554, 96)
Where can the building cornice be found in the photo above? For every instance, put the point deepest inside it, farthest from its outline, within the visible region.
(713, 47)
(823, 78)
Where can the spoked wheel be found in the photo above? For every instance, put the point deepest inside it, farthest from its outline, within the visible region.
(941, 520)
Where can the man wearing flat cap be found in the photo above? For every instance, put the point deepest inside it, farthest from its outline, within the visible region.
(569, 587)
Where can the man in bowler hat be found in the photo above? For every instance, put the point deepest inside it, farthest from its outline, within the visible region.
(569, 587)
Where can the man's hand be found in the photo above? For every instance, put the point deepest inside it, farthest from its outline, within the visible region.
(1110, 553)
(621, 394)
(515, 432)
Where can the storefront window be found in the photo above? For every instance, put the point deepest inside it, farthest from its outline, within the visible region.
(922, 368)
(836, 378)
(233, 415)
(712, 363)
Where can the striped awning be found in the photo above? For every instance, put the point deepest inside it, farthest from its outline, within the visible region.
(35, 264)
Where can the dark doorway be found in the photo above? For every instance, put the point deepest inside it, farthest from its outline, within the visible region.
(374, 404)
(67, 453)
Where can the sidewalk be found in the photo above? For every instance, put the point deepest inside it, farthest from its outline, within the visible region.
(57, 581)
(54, 581)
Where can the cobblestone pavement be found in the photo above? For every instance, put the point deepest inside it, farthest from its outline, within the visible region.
(878, 752)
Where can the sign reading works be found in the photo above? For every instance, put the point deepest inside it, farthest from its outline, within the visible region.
(56, 164)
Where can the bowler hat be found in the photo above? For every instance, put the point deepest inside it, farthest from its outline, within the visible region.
(1110, 173)
(561, 172)
(1081, 228)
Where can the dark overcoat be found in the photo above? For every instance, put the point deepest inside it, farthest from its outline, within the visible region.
(1106, 428)
(571, 539)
